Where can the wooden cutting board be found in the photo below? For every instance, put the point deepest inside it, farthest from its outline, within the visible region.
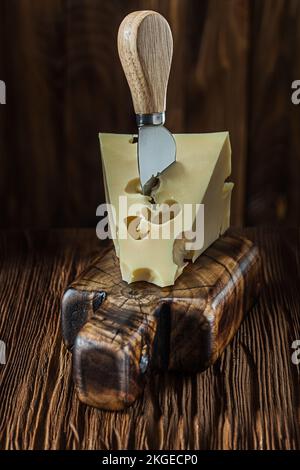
(117, 331)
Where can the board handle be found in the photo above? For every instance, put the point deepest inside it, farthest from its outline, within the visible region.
(145, 46)
(112, 346)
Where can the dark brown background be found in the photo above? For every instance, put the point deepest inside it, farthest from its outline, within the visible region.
(234, 62)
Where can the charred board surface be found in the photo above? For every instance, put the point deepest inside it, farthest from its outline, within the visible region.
(117, 330)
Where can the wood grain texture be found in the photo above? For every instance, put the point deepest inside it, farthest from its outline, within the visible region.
(273, 195)
(233, 65)
(145, 46)
(218, 83)
(2, 107)
(31, 60)
(118, 332)
(248, 399)
(65, 84)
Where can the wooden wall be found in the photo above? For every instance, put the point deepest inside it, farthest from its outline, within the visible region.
(273, 176)
(234, 61)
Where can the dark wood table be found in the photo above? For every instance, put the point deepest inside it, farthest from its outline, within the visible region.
(249, 399)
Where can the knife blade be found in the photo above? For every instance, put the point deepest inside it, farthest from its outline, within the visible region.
(145, 46)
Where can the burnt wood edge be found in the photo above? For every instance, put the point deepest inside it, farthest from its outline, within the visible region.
(251, 274)
(214, 335)
(77, 307)
(108, 377)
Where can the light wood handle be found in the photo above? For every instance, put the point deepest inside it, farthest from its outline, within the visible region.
(145, 47)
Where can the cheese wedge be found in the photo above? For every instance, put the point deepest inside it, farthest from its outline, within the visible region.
(151, 247)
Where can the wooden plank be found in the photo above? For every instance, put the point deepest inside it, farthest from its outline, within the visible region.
(248, 399)
(66, 84)
(217, 95)
(96, 99)
(232, 60)
(3, 108)
(34, 179)
(274, 157)
(293, 210)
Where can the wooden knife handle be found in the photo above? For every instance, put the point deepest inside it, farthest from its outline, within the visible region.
(145, 47)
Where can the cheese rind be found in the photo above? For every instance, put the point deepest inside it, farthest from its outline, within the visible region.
(202, 165)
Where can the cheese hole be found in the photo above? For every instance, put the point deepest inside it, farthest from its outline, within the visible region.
(143, 274)
(134, 186)
(166, 211)
(134, 228)
(181, 256)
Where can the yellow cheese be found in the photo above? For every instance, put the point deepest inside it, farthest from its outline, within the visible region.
(203, 163)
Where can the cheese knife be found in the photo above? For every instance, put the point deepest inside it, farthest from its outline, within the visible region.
(145, 46)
